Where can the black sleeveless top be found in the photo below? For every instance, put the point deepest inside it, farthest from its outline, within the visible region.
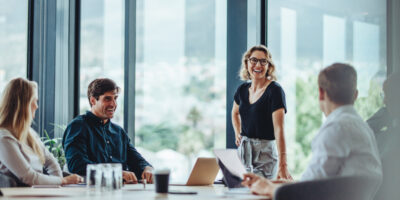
(256, 118)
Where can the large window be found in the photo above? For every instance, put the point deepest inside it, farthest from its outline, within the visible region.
(13, 40)
(304, 37)
(180, 81)
(102, 48)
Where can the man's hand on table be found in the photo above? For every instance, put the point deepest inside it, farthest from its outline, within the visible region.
(129, 177)
(259, 185)
(148, 174)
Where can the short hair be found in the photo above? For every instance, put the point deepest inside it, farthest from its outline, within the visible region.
(245, 75)
(339, 80)
(100, 86)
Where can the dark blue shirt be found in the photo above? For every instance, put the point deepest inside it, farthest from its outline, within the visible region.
(88, 141)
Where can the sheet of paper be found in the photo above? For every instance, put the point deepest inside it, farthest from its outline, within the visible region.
(46, 186)
(231, 160)
(76, 185)
(244, 190)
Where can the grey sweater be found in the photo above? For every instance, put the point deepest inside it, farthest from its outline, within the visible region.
(18, 159)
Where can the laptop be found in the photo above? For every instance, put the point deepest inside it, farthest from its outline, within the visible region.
(232, 169)
(204, 172)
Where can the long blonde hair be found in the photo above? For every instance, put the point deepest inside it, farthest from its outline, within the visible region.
(16, 114)
(244, 73)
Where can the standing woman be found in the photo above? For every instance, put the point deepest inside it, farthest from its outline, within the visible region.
(258, 114)
(22, 154)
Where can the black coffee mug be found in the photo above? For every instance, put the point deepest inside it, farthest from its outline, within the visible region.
(161, 178)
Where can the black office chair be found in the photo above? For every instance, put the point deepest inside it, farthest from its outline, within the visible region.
(7, 181)
(343, 188)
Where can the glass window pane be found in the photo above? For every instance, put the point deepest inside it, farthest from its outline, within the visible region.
(13, 40)
(306, 36)
(102, 48)
(253, 22)
(180, 81)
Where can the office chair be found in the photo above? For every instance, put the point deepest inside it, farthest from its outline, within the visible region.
(6, 181)
(343, 188)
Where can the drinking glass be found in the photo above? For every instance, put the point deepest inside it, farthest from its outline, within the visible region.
(117, 180)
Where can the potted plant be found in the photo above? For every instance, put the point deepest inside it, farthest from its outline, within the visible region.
(54, 145)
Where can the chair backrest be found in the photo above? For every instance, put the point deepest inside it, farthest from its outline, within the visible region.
(343, 188)
(6, 181)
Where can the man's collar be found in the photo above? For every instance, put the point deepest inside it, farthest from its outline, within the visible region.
(96, 119)
(340, 109)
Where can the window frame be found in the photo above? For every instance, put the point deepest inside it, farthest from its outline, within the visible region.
(41, 59)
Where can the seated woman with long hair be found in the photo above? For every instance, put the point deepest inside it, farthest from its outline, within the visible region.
(22, 154)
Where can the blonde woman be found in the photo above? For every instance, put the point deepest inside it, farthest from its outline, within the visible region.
(22, 154)
(258, 116)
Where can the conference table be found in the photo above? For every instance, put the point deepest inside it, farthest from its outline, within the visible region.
(131, 191)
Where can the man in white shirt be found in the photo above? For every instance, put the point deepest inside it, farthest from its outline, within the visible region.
(345, 145)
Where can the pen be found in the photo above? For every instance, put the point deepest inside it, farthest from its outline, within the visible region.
(144, 183)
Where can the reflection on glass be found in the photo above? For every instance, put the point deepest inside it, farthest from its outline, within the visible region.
(13, 40)
(334, 37)
(365, 53)
(306, 36)
(253, 21)
(102, 44)
(180, 81)
(288, 60)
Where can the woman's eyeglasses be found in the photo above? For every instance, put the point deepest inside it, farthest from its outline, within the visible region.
(254, 61)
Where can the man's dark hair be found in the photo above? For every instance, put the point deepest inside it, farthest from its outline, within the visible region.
(340, 83)
(100, 86)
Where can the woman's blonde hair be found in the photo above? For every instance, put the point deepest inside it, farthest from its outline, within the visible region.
(16, 115)
(244, 73)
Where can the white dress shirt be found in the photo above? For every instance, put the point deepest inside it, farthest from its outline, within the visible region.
(18, 159)
(345, 145)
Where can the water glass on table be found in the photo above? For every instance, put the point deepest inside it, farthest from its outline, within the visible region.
(104, 177)
(117, 180)
(93, 177)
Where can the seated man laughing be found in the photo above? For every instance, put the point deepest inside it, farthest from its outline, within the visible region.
(92, 138)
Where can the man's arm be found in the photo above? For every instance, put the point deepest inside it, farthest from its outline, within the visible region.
(329, 149)
(74, 143)
(135, 161)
